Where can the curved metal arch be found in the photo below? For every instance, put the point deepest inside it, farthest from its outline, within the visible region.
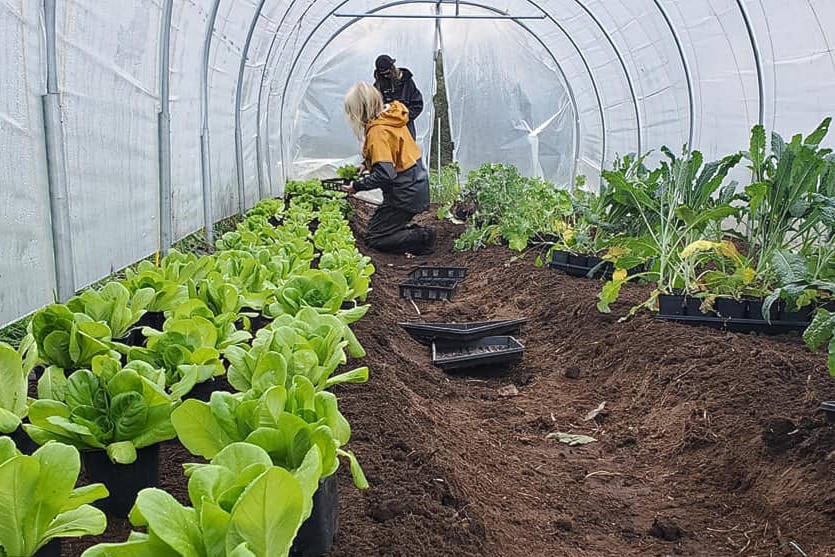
(559, 26)
(686, 65)
(259, 151)
(623, 67)
(396, 3)
(239, 142)
(205, 153)
(757, 59)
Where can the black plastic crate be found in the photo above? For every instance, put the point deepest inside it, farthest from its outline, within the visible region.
(426, 333)
(428, 289)
(422, 273)
(495, 352)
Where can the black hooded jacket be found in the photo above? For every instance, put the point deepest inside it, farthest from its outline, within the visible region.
(403, 90)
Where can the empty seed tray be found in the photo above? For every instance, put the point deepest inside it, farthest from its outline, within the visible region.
(494, 352)
(447, 333)
(428, 289)
(439, 272)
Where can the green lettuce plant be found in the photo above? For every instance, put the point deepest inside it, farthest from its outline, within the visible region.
(112, 408)
(186, 349)
(284, 422)
(13, 393)
(69, 340)
(242, 506)
(309, 344)
(39, 501)
(114, 305)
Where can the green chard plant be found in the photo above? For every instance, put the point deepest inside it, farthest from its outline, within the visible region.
(689, 206)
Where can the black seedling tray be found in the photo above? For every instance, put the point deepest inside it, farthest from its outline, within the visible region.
(333, 184)
(422, 273)
(432, 283)
(828, 409)
(742, 316)
(428, 289)
(494, 352)
(447, 333)
(581, 265)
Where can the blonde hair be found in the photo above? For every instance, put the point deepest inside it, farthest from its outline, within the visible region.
(363, 103)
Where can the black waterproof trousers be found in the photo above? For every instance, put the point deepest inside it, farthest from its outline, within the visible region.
(389, 231)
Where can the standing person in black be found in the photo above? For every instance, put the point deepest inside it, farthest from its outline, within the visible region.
(396, 84)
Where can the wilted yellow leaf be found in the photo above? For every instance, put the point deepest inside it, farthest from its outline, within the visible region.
(698, 246)
(615, 252)
(748, 275)
(728, 249)
(619, 274)
(568, 234)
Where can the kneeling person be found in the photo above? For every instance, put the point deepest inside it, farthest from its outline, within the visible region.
(393, 157)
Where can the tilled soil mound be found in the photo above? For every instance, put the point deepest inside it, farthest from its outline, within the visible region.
(708, 443)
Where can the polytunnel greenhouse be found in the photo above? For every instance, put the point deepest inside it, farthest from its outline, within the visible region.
(417, 277)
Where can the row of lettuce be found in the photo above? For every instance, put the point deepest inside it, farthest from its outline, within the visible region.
(118, 366)
(684, 226)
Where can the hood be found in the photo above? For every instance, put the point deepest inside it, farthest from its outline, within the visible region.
(396, 115)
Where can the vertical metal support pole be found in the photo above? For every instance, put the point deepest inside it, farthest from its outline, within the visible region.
(239, 142)
(56, 163)
(205, 151)
(439, 149)
(166, 215)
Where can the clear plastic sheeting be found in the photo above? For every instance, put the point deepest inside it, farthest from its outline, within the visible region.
(560, 92)
(508, 105)
(107, 59)
(27, 277)
(319, 138)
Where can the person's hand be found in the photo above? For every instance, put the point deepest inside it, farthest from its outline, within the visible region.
(361, 168)
(349, 188)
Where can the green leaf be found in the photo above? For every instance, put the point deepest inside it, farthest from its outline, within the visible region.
(820, 330)
(174, 524)
(266, 523)
(123, 452)
(358, 375)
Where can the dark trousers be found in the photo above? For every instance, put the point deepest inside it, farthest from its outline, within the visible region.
(388, 231)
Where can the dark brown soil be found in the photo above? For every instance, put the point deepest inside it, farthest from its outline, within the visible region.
(697, 450)
(709, 443)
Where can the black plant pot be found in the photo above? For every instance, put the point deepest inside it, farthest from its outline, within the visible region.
(559, 256)
(755, 310)
(728, 308)
(670, 304)
(802, 315)
(202, 391)
(828, 409)
(693, 306)
(152, 319)
(317, 533)
(578, 260)
(23, 442)
(123, 481)
(52, 549)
